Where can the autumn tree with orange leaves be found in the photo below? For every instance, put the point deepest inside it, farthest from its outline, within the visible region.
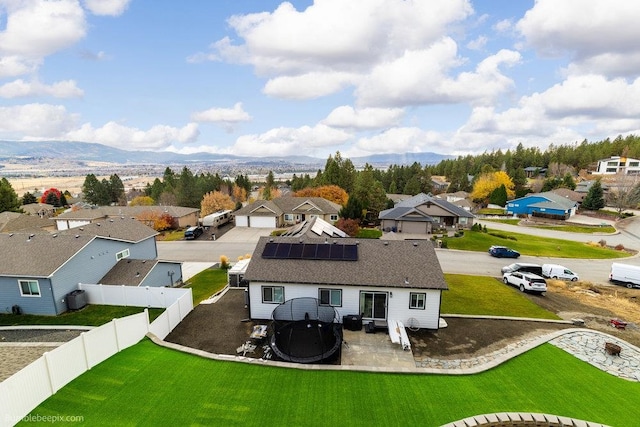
(488, 182)
(332, 193)
(156, 220)
(215, 201)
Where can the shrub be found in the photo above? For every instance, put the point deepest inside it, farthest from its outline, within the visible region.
(619, 247)
(444, 244)
(602, 243)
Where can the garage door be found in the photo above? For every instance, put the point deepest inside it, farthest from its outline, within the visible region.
(262, 222)
(414, 227)
(242, 221)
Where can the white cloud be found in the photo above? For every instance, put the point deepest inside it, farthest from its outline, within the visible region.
(227, 117)
(129, 138)
(107, 7)
(35, 121)
(21, 88)
(478, 44)
(346, 117)
(503, 26)
(399, 140)
(309, 85)
(290, 141)
(39, 28)
(12, 65)
(601, 36)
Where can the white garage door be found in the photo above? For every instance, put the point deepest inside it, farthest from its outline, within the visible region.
(262, 222)
(242, 221)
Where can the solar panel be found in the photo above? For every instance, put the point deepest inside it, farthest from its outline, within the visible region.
(283, 250)
(323, 251)
(269, 250)
(311, 251)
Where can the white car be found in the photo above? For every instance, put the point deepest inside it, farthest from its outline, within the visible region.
(525, 281)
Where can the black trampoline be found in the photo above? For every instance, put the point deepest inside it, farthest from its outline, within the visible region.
(305, 332)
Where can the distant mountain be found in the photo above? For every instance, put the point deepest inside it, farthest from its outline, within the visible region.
(84, 151)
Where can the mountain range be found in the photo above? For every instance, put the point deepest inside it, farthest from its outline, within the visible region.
(19, 151)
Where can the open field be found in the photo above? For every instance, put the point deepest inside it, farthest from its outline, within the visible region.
(73, 184)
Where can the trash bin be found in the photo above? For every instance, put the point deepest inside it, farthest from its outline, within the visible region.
(76, 299)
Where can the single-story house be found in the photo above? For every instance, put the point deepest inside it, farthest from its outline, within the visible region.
(14, 221)
(314, 227)
(422, 214)
(583, 187)
(618, 164)
(547, 204)
(379, 280)
(43, 210)
(286, 211)
(569, 194)
(181, 217)
(534, 171)
(38, 271)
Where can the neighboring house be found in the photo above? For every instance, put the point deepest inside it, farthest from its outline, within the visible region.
(13, 221)
(534, 171)
(380, 280)
(143, 272)
(459, 198)
(42, 210)
(439, 184)
(422, 214)
(286, 211)
(583, 187)
(38, 271)
(547, 204)
(181, 217)
(569, 194)
(618, 165)
(315, 227)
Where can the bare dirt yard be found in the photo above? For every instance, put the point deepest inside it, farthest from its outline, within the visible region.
(222, 327)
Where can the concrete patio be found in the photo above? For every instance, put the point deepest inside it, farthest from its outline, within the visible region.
(374, 350)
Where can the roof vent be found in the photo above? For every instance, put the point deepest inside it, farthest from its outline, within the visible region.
(55, 235)
(415, 244)
(386, 243)
(77, 235)
(10, 234)
(406, 280)
(81, 229)
(98, 224)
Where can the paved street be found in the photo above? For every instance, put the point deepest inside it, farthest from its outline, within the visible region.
(241, 241)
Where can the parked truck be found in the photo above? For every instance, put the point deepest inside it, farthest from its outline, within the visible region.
(625, 275)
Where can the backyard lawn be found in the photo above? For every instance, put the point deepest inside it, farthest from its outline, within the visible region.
(141, 386)
(484, 295)
(91, 315)
(206, 283)
(531, 245)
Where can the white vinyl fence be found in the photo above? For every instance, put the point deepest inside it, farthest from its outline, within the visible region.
(26, 389)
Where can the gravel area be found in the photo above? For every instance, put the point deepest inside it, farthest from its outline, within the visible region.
(38, 335)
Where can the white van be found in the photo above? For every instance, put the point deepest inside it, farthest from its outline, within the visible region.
(625, 275)
(555, 271)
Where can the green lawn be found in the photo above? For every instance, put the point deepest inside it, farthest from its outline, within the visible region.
(91, 315)
(141, 386)
(511, 221)
(531, 245)
(488, 296)
(206, 283)
(579, 228)
(369, 233)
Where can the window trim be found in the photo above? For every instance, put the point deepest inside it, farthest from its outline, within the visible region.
(333, 217)
(417, 295)
(28, 282)
(272, 301)
(123, 254)
(331, 291)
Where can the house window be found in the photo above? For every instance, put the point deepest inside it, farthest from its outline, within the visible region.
(331, 297)
(417, 300)
(634, 164)
(612, 170)
(272, 294)
(122, 254)
(333, 217)
(29, 288)
(289, 217)
(612, 163)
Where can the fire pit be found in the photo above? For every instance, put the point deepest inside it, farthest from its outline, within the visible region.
(612, 349)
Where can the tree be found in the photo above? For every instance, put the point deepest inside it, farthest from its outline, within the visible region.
(95, 192)
(594, 200)
(28, 198)
(369, 191)
(412, 187)
(115, 188)
(349, 226)
(215, 201)
(239, 194)
(187, 193)
(9, 200)
(499, 196)
(156, 220)
(488, 182)
(51, 197)
(142, 201)
(624, 194)
(352, 210)
(332, 193)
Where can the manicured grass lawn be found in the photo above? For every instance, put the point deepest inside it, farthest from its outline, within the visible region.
(487, 296)
(531, 245)
(504, 221)
(207, 283)
(491, 211)
(91, 315)
(171, 235)
(579, 228)
(369, 233)
(141, 386)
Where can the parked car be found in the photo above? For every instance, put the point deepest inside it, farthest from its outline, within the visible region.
(503, 252)
(193, 233)
(525, 281)
(555, 271)
(523, 267)
(625, 275)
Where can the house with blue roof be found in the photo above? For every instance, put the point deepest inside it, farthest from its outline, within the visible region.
(547, 204)
(422, 214)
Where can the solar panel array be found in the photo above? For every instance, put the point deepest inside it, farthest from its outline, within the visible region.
(317, 251)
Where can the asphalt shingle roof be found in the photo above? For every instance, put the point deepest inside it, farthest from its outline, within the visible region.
(127, 211)
(399, 263)
(128, 272)
(281, 205)
(421, 199)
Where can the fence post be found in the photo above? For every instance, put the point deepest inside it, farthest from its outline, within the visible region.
(115, 330)
(146, 312)
(49, 373)
(84, 351)
(124, 296)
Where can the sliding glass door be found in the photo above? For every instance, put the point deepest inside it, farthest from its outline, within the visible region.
(373, 305)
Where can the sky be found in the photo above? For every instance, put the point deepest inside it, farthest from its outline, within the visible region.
(313, 77)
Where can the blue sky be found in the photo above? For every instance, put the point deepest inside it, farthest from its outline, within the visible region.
(263, 77)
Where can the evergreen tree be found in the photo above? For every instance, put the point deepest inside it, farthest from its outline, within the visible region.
(187, 193)
(499, 196)
(116, 190)
(412, 187)
(568, 182)
(9, 200)
(96, 192)
(352, 210)
(594, 200)
(28, 198)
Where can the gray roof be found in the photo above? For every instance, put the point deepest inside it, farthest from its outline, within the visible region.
(41, 254)
(555, 201)
(281, 205)
(398, 213)
(381, 263)
(127, 211)
(12, 221)
(315, 227)
(128, 272)
(421, 199)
